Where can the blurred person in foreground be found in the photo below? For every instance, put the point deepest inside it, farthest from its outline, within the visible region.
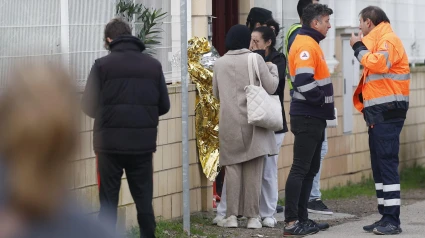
(125, 94)
(39, 131)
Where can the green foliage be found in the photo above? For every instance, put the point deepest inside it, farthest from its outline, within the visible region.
(150, 20)
(413, 177)
(366, 187)
(174, 228)
(410, 178)
(127, 9)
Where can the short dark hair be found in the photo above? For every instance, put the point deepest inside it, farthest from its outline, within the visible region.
(375, 14)
(301, 5)
(257, 15)
(115, 28)
(315, 12)
(275, 24)
(267, 34)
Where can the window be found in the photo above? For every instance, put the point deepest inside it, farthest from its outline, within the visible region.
(71, 32)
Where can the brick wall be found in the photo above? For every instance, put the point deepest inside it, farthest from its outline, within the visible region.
(348, 156)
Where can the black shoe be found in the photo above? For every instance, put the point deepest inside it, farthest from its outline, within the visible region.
(321, 226)
(387, 229)
(370, 228)
(317, 206)
(298, 230)
(279, 209)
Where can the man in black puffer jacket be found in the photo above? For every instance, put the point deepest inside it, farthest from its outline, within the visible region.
(126, 93)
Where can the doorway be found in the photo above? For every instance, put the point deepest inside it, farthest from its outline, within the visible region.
(227, 15)
(350, 69)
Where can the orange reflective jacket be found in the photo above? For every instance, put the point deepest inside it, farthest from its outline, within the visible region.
(383, 91)
(313, 89)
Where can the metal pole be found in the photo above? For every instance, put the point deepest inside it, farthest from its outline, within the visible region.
(64, 40)
(283, 29)
(185, 119)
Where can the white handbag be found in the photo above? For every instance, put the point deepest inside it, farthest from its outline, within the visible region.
(264, 110)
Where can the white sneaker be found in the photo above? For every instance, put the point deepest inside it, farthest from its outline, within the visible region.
(254, 223)
(269, 222)
(217, 219)
(230, 222)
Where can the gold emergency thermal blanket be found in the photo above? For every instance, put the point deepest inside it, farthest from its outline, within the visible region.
(200, 62)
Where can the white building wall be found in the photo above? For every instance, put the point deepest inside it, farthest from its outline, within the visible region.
(405, 16)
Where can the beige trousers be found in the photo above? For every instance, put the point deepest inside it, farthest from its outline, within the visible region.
(243, 188)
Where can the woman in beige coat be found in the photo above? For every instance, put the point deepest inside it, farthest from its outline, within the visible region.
(243, 147)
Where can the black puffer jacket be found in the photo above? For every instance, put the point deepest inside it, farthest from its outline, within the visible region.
(126, 93)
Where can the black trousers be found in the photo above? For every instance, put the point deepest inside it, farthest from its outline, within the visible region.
(309, 135)
(219, 181)
(139, 172)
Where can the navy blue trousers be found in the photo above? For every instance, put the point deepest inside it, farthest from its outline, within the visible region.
(384, 143)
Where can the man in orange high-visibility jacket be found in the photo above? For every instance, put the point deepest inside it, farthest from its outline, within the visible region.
(383, 97)
(311, 105)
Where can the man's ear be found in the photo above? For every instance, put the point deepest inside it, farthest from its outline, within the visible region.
(315, 22)
(109, 39)
(369, 23)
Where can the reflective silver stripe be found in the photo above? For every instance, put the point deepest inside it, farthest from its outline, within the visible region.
(329, 99)
(387, 76)
(307, 87)
(392, 202)
(391, 188)
(293, 78)
(324, 82)
(361, 54)
(380, 201)
(386, 99)
(379, 186)
(298, 95)
(304, 70)
(388, 64)
(385, 53)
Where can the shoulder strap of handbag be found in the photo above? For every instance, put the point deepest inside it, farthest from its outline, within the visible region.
(253, 64)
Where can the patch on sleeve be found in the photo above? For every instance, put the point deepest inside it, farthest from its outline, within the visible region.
(304, 55)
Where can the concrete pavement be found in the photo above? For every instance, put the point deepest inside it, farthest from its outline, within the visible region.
(412, 222)
(316, 217)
